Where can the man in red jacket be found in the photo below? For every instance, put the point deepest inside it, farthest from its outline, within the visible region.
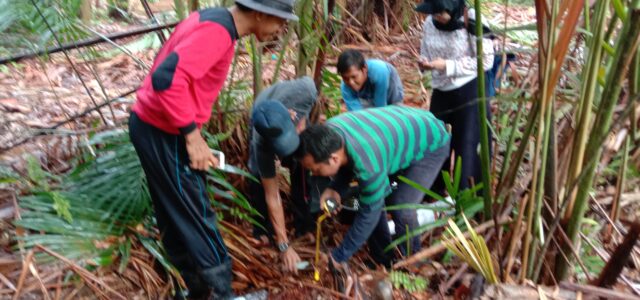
(173, 102)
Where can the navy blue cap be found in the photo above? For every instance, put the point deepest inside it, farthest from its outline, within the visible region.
(273, 122)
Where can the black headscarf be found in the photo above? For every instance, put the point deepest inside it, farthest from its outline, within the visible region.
(455, 9)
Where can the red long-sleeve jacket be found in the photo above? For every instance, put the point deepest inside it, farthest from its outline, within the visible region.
(188, 73)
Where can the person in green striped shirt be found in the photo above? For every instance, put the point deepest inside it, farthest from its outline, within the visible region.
(369, 146)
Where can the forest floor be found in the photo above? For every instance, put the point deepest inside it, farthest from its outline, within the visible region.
(39, 99)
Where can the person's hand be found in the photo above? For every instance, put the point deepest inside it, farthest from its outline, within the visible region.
(330, 193)
(200, 156)
(423, 63)
(439, 64)
(290, 259)
(436, 64)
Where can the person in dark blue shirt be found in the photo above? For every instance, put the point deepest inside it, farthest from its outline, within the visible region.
(368, 82)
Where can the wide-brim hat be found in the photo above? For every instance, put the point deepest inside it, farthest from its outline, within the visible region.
(272, 121)
(279, 8)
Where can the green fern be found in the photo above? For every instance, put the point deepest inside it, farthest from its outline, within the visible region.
(61, 206)
(407, 282)
(37, 176)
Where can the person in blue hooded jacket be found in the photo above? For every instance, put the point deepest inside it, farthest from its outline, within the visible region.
(368, 82)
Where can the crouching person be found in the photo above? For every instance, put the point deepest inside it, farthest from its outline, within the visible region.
(368, 82)
(279, 114)
(369, 146)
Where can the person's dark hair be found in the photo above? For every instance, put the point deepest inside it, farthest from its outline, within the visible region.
(320, 141)
(243, 8)
(349, 58)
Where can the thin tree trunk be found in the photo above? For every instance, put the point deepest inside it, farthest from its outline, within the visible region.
(304, 30)
(194, 5)
(365, 17)
(180, 9)
(256, 58)
(85, 11)
(482, 111)
(550, 180)
(324, 40)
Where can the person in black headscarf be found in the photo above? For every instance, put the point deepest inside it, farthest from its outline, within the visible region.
(448, 49)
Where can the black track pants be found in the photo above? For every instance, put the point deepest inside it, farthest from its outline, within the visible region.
(182, 208)
(459, 107)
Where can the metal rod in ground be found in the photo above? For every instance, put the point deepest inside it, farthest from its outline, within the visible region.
(87, 42)
(153, 18)
(55, 36)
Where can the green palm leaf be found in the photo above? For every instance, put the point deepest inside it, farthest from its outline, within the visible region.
(89, 217)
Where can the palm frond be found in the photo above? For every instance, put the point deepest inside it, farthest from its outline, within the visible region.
(473, 251)
(103, 207)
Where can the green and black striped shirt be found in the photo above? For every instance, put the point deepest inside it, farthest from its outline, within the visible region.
(382, 141)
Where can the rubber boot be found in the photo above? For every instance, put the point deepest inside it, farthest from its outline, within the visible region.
(196, 287)
(218, 279)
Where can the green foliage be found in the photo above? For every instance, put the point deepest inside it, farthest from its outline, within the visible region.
(115, 164)
(611, 170)
(233, 100)
(180, 8)
(407, 282)
(591, 260)
(467, 202)
(8, 176)
(36, 175)
(425, 80)
(331, 90)
(118, 5)
(23, 28)
(308, 35)
(61, 206)
(473, 251)
(103, 206)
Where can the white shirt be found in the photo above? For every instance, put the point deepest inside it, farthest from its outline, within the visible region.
(458, 49)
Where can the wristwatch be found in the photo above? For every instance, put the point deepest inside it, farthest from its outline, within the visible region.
(282, 247)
